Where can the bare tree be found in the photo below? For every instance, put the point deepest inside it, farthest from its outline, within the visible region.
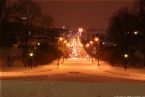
(46, 21)
(28, 12)
(6, 12)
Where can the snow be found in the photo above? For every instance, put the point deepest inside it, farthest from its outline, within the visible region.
(75, 70)
(73, 78)
(19, 88)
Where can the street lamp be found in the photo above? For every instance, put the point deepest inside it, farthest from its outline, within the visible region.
(80, 30)
(58, 51)
(87, 45)
(38, 43)
(60, 38)
(126, 57)
(31, 54)
(26, 36)
(97, 40)
(65, 41)
(91, 42)
(136, 33)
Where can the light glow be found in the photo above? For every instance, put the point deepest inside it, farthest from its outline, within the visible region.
(60, 38)
(96, 39)
(65, 41)
(136, 32)
(31, 54)
(80, 30)
(87, 45)
(126, 55)
(38, 44)
(91, 42)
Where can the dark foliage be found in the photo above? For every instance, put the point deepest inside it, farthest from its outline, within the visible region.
(126, 33)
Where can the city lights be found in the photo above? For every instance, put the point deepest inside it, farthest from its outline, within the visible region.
(60, 38)
(68, 44)
(136, 33)
(96, 39)
(91, 42)
(126, 55)
(87, 45)
(38, 44)
(31, 54)
(80, 29)
(65, 41)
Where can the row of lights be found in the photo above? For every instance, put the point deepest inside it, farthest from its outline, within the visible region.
(65, 41)
(91, 42)
(135, 32)
(97, 40)
(126, 55)
(31, 54)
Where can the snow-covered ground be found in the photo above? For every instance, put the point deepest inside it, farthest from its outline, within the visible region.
(75, 70)
(73, 78)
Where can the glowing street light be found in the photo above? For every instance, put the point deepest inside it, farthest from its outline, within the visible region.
(87, 45)
(60, 38)
(31, 54)
(125, 62)
(91, 42)
(80, 30)
(96, 39)
(68, 44)
(65, 41)
(125, 55)
(136, 33)
(63, 27)
(38, 43)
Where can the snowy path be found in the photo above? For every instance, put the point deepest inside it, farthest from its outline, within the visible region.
(76, 70)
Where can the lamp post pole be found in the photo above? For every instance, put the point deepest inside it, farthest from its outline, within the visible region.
(26, 37)
(97, 40)
(98, 53)
(125, 62)
(57, 53)
(31, 59)
(92, 58)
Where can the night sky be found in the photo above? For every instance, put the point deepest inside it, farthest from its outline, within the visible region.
(86, 14)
